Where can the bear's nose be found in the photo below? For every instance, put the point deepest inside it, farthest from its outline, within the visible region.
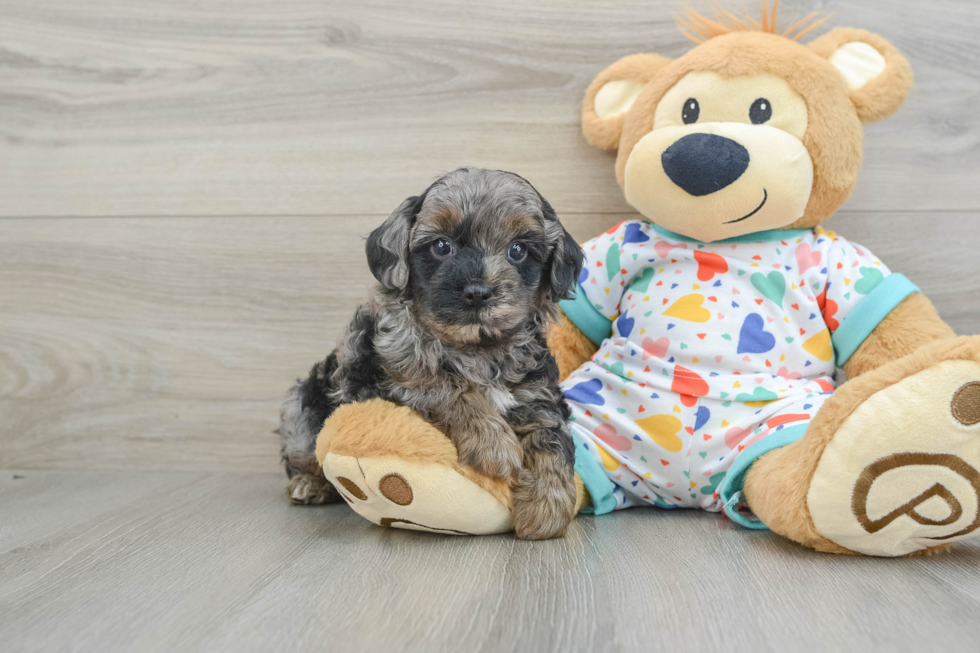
(704, 163)
(476, 294)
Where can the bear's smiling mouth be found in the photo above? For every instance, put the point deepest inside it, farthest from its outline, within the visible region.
(765, 197)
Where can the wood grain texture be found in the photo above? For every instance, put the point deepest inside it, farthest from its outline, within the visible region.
(201, 562)
(145, 108)
(166, 343)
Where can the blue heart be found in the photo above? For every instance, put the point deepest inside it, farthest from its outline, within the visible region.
(625, 324)
(584, 276)
(753, 338)
(702, 417)
(634, 234)
(586, 392)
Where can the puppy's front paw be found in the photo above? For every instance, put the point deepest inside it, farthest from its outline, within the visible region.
(496, 456)
(543, 506)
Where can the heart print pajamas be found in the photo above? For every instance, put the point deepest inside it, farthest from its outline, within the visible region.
(710, 355)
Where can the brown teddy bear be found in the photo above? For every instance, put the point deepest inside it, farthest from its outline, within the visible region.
(701, 348)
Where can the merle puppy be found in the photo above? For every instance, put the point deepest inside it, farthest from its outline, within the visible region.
(469, 275)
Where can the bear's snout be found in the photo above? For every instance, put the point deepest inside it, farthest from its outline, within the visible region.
(702, 163)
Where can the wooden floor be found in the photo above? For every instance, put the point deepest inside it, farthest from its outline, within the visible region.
(184, 191)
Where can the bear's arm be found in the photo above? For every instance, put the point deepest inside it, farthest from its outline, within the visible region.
(910, 325)
(569, 346)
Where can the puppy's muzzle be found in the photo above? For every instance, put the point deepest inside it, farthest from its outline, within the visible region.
(476, 294)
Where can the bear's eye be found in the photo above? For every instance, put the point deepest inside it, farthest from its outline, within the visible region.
(760, 111)
(442, 247)
(691, 111)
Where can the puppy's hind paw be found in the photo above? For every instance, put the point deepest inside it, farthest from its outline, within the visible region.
(311, 489)
(543, 507)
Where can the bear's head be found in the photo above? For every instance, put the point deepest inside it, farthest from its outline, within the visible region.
(750, 130)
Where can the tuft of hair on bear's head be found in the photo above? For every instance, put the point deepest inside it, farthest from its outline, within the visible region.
(699, 28)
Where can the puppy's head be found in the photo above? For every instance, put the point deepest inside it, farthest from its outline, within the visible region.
(480, 252)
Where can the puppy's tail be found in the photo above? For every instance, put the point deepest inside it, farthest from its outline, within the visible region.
(307, 405)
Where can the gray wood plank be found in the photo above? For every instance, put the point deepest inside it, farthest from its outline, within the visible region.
(131, 107)
(165, 343)
(222, 562)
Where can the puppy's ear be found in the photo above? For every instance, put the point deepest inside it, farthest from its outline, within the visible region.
(566, 259)
(387, 246)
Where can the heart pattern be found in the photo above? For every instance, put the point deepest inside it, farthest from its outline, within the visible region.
(711, 348)
(655, 348)
(772, 286)
(689, 308)
(807, 258)
(709, 265)
(753, 338)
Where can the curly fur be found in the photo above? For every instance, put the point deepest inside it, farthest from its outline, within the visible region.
(482, 373)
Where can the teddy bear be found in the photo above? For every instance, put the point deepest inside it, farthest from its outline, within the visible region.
(701, 349)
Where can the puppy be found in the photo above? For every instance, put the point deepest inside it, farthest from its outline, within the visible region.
(469, 275)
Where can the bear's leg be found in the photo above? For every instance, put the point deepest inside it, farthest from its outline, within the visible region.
(890, 465)
(398, 471)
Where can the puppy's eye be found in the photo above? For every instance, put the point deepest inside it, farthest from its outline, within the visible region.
(691, 112)
(442, 247)
(760, 111)
(517, 252)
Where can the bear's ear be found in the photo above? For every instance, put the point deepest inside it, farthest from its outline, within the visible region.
(877, 75)
(612, 93)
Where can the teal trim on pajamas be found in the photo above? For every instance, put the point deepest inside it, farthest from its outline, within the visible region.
(773, 236)
(730, 491)
(869, 313)
(594, 478)
(596, 326)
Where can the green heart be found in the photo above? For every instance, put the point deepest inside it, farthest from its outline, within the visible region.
(724, 394)
(642, 282)
(772, 286)
(703, 454)
(621, 411)
(713, 483)
(617, 369)
(870, 278)
(741, 272)
(612, 261)
(726, 336)
(759, 394)
(789, 339)
(683, 346)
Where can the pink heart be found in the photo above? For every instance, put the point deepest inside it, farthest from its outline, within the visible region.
(785, 373)
(670, 485)
(662, 248)
(746, 358)
(607, 433)
(655, 348)
(718, 358)
(807, 259)
(735, 435)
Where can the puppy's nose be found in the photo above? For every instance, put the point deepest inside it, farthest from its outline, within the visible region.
(476, 294)
(704, 163)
